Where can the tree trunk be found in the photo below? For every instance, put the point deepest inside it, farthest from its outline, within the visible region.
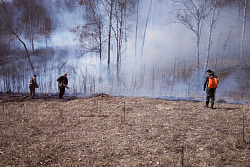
(198, 54)
(99, 26)
(110, 26)
(119, 36)
(209, 44)
(31, 28)
(243, 62)
(32, 67)
(145, 29)
(136, 27)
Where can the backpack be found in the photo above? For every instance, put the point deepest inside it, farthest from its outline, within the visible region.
(212, 82)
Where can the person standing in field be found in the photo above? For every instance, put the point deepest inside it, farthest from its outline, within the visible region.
(33, 85)
(62, 83)
(210, 83)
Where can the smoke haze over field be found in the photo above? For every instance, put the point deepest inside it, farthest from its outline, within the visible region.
(166, 67)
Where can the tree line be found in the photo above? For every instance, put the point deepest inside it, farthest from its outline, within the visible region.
(108, 23)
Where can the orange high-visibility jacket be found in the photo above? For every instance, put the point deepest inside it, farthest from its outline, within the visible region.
(212, 82)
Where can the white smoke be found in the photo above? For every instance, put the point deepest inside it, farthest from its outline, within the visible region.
(168, 46)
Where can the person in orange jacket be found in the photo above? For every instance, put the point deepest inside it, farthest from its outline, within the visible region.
(210, 85)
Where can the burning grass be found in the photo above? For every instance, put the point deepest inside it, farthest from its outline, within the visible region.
(115, 131)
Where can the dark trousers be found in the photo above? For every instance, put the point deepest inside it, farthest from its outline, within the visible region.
(32, 91)
(210, 95)
(61, 93)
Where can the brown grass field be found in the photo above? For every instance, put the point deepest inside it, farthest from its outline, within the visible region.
(122, 132)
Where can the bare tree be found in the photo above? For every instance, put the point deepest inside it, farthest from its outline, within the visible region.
(31, 27)
(145, 28)
(123, 10)
(243, 62)
(109, 5)
(105, 22)
(91, 34)
(216, 11)
(120, 6)
(136, 27)
(33, 18)
(9, 27)
(192, 14)
(96, 17)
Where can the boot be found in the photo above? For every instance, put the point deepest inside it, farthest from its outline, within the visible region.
(207, 102)
(212, 105)
(205, 106)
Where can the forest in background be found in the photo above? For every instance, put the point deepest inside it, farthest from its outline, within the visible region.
(126, 47)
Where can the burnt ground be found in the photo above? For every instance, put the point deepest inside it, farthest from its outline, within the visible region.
(121, 131)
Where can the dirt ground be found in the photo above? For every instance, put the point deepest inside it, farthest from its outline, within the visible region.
(122, 132)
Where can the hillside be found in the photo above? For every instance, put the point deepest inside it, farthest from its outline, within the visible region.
(114, 131)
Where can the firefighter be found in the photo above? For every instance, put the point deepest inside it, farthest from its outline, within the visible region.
(33, 85)
(62, 83)
(210, 83)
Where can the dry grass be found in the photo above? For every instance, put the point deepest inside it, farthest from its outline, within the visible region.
(96, 132)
